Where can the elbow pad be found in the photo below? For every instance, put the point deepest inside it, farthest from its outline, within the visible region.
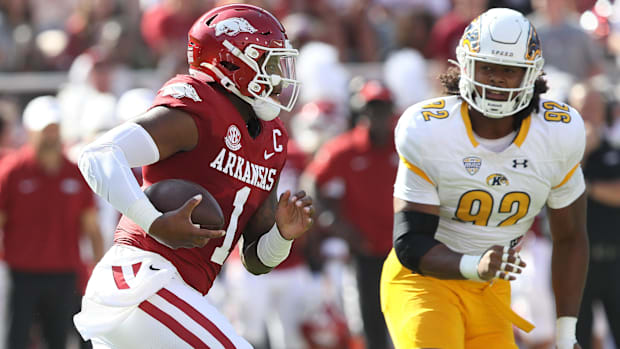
(414, 236)
(106, 165)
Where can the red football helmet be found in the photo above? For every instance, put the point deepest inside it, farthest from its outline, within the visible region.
(246, 50)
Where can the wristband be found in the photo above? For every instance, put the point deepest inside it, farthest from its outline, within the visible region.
(565, 328)
(272, 248)
(469, 267)
(143, 213)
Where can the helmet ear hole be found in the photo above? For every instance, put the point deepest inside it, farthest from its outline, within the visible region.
(229, 66)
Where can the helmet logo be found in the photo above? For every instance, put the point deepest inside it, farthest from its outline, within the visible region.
(533, 45)
(233, 138)
(233, 26)
(471, 36)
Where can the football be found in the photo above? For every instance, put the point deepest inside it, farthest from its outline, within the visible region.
(170, 194)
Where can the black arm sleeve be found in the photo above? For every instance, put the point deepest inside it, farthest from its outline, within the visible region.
(414, 235)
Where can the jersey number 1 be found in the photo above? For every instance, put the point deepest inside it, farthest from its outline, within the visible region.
(220, 253)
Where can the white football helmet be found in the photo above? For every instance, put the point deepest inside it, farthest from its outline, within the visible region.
(499, 36)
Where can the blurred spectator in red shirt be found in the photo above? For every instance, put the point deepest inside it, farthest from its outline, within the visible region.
(45, 206)
(164, 29)
(351, 177)
(449, 28)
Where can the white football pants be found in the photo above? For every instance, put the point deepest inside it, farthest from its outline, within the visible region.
(137, 299)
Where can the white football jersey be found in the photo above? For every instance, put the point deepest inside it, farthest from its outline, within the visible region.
(487, 198)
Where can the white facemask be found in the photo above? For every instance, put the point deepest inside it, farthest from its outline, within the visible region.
(265, 110)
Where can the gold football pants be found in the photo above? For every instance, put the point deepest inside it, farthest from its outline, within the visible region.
(426, 312)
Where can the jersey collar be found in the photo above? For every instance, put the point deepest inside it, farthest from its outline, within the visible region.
(518, 141)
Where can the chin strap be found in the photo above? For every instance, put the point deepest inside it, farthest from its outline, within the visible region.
(227, 83)
(260, 107)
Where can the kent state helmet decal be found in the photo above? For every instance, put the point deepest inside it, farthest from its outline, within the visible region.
(533, 45)
(471, 36)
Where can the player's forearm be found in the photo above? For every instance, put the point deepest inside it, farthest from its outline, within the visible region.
(442, 263)
(569, 265)
(106, 166)
(265, 253)
(417, 249)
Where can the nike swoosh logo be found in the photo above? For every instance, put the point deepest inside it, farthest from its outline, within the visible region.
(153, 268)
(268, 155)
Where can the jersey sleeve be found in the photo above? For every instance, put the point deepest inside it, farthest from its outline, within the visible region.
(414, 178)
(568, 183)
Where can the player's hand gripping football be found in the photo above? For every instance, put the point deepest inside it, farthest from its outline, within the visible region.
(176, 230)
(500, 262)
(294, 214)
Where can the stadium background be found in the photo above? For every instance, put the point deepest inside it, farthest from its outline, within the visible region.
(105, 59)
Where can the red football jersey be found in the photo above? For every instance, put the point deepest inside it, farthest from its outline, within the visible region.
(238, 170)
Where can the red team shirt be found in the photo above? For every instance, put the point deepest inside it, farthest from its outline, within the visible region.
(236, 169)
(367, 173)
(43, 225)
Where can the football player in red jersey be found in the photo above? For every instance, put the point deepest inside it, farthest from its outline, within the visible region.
(217, 127)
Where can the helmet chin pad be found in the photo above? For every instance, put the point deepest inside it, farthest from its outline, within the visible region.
(265, 111)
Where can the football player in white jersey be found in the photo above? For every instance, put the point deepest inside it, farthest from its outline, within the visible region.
(476, 168)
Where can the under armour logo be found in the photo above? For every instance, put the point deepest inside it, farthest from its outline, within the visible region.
(516, 163)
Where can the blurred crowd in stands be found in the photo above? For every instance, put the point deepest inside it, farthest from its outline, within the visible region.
(361, 62)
